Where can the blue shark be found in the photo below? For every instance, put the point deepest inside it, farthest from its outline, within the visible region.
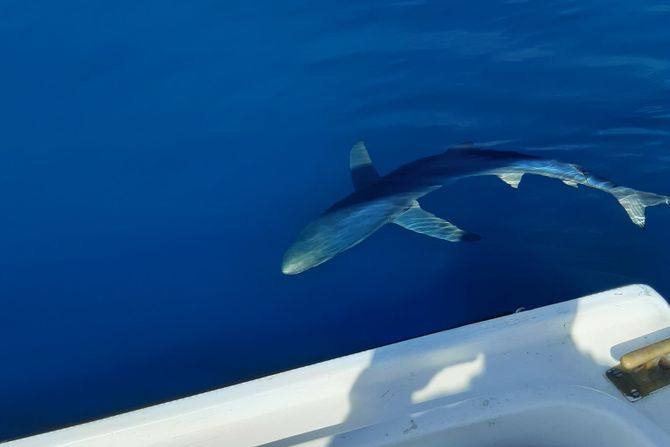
(378, 200)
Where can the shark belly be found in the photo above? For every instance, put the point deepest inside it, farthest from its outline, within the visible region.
(340, 229)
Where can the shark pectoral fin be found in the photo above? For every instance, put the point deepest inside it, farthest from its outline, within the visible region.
(363, 172)
(635, 202)
(570, 183)
(512, 179)
(420, 221)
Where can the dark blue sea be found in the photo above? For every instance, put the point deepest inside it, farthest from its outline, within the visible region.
(158, 158)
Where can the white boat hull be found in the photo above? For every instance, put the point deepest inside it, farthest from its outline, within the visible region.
(527, 379)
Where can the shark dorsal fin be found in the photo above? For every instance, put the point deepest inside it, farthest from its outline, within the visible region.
(363, 172)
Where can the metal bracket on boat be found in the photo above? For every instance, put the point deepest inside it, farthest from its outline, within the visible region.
(643, 371)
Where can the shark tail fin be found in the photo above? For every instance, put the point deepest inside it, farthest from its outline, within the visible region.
(635, 202)
(363, 172)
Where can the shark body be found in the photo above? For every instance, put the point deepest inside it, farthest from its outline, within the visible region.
(393, 198)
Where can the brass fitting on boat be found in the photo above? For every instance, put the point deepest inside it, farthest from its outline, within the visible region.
(647, 357)
(642, 371)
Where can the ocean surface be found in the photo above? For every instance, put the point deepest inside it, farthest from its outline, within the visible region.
(158, 158)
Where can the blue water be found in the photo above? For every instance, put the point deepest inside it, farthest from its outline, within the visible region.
(159, 157)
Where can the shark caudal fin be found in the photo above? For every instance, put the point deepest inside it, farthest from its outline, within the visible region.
(421, 221)
(363, 172)
(635, 202)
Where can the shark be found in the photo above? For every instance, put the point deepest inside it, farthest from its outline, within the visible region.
(394, 198)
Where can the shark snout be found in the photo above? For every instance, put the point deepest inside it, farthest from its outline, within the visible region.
(303, 255)
(289, 268)
(294, 262)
